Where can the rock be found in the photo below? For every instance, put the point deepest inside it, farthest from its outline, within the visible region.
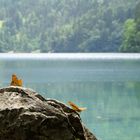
(26, 115)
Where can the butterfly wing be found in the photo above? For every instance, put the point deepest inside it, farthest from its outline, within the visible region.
(75, 107)
(14, 80)
(82, 108)
(20, 82)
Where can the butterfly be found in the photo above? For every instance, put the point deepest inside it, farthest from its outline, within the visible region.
(15, 81)
(76, 108)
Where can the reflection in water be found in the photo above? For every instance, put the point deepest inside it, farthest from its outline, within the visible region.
(109, 88)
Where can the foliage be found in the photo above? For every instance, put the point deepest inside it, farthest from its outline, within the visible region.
(129, 36)
(65, 26)
(131, 41)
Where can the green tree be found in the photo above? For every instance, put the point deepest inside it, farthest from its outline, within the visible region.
(131, 41)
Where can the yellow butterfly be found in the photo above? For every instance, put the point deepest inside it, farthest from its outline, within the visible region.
(76, 108)
(15, 81)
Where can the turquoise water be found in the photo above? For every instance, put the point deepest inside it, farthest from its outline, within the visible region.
(107, 84)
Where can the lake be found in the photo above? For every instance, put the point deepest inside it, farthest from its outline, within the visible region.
(107, 84)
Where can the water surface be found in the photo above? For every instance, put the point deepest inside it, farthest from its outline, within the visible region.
(107, 84)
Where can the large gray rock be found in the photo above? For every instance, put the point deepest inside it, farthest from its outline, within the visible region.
(26, 115)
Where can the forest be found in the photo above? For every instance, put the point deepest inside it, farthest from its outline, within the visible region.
(69, 26)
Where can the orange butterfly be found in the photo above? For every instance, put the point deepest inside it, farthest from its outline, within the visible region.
(15, 81)
(76, 108)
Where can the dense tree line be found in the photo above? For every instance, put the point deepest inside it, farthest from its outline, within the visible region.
(69, 25)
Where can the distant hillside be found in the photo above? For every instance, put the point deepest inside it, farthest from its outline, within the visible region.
(65, 25)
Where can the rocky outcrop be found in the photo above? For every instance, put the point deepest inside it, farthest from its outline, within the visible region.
(26, 115)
